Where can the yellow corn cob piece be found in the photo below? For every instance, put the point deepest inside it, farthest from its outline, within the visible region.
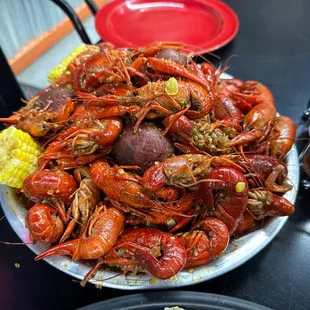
(62, 67)
(18, 156)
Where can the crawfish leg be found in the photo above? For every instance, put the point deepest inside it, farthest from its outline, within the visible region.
(61, 209)
(183, 222)
(100, 262)
(67, 248)
(68, 231)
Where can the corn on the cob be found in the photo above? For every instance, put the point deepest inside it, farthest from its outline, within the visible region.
(18, 156)
(62, 67)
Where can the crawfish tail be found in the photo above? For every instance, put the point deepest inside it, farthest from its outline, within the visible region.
(172, 261)
(67, 248)
(219, 234)
(197, 245)
(49, 184)
(104, 233)
(278, 173)
(204, 244)
(144, 242)
(43, 223)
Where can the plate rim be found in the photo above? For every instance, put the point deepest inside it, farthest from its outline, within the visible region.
(218, 3)
(179, 298)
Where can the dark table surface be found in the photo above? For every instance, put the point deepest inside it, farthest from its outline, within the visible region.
(273, 46)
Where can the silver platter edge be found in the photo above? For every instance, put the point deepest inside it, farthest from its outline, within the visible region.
(237, 253)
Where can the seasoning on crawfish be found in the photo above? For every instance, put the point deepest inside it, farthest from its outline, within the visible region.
(171, 87)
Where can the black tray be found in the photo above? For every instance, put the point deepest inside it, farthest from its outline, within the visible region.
(187, 300)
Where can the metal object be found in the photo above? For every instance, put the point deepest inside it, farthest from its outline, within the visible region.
(92, 6)
(305, 152)
(69, 11)
(237, 253)
(305, 115)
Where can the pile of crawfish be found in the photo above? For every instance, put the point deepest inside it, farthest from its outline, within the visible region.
(225, 176)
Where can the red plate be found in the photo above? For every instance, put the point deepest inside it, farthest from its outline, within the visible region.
(204, 24)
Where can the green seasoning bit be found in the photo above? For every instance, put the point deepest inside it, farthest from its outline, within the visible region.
(171, 223)
(240, 187)
(17, 265)
(171, 87)
(153, 280)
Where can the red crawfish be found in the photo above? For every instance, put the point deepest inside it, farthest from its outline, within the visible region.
(82, 138)
(182, 171)
(44, 224)
(202, 135)
(256, 125)
(122, 187)
(154, 101)
(258, 102)
(274, 136)
(66, 79)
(97, 112)
(225, 195)
(225, 107)
(263, 170)
(207, 239)
(173, 216)
(165, 59)
(103, 230)
(55, 186)
(44, 114)
(86, 197)
(150, 250)
(247, 94)
(108, 64)
(263, 203)
(282, 137)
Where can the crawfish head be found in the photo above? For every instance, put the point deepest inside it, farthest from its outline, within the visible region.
(202, 133)
(43, 112)
(264, 203)
(182, 171)
(121, 186)
(178, 171)
(92, 134)
(49, 184)
(264, 170)
(262, 166)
